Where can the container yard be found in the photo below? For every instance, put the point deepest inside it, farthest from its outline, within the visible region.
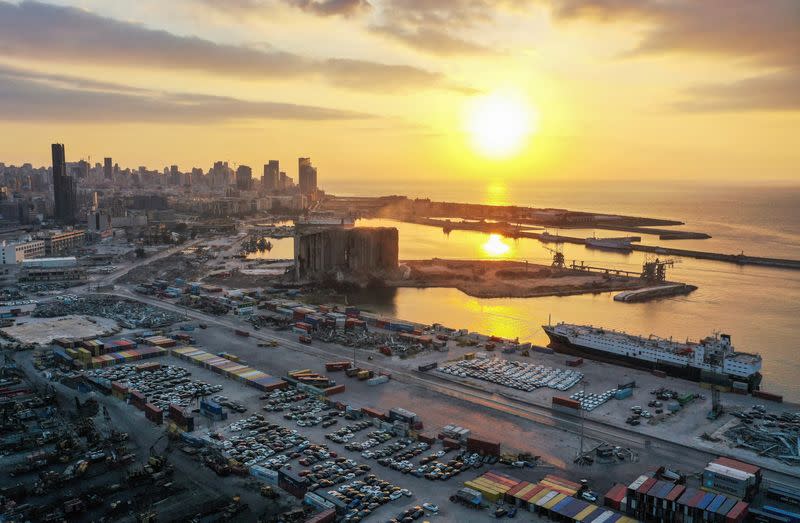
(414, 429)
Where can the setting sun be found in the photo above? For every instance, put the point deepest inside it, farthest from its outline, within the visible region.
(499, 123)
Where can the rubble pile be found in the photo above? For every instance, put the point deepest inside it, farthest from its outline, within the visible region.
(773, 435)
(129, 314)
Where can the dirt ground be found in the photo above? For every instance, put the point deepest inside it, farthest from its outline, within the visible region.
(45, 330)
(508, 279)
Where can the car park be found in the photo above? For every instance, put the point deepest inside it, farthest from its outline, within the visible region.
(514, 374)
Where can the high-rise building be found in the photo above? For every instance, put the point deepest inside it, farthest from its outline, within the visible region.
(174, 176)
(108, 168)
(220, 175)
(64, 190)
(285, 182)
(244, 178)
(271, 178)
(307, 176)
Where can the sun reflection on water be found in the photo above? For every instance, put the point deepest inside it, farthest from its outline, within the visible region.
(495, 246)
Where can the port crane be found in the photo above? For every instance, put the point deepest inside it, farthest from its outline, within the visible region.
(558, 256)
(655, 270)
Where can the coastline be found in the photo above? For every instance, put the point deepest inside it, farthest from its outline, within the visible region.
(508, 279)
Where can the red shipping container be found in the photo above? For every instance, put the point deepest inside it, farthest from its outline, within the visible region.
(483, 446)
(737, 513)
(767, 396)
(153, 413)
(138, 399)
(334, 390)
(450, 443)
(566, 402)
(426, 438)
(373, 413)
(615, 496)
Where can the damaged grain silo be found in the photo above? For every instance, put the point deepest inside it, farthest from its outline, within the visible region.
(359, 251)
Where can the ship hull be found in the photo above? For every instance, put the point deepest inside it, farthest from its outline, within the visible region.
(561, 343)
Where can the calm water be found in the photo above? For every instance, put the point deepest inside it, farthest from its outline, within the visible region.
(759, 307)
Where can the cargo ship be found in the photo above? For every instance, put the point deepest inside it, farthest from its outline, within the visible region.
(712, 359)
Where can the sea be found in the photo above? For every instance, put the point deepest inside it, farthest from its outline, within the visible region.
(758, 306)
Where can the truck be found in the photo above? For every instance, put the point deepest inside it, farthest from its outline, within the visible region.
(305, 339)
(468, 497)
(240, 332)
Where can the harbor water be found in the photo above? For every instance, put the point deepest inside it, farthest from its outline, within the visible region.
(758, 306)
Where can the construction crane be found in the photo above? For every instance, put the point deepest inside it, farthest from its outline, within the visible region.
(558, 256)
(655, 270)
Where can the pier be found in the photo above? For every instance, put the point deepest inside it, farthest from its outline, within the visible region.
(512, 231)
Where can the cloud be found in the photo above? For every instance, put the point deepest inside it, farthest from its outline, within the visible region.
(34, 30)
(760, 34)
(431, 26)
(330, 7)
(32, 96)
(317, 7)
(432, 40)
(778, 91)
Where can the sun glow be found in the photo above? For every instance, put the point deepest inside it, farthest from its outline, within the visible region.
(494, 246)
(500, 123)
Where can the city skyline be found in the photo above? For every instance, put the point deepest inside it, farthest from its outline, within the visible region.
(631, 91)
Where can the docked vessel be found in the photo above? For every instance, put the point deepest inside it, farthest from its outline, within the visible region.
(612, 244)
(712, 359)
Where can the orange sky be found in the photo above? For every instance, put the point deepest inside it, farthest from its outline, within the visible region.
(619, 89)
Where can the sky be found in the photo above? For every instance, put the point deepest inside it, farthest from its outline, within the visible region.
(388, 90)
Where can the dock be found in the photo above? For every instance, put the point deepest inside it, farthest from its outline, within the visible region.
(512, 231)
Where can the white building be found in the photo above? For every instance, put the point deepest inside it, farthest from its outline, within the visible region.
(15, 252)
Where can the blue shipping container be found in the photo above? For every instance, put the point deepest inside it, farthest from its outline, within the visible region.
(622, 394)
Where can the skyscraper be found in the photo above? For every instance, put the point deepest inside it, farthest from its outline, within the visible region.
(108, 169)
(64, 192)
(244, 178)
(307, 176)
(271, 178)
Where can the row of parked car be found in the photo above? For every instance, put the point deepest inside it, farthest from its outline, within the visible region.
(255, 440)
(514, 374)
(345, 434)
(362, 497)
(374, 438)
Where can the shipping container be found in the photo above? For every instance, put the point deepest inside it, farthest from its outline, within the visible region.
(373, 413)
(559, 401)
(483, 446)
(153, 413)
(337, 365)
(378, 380)
(768, 396)
(622, 394)
(451, 443)
(337, 389)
